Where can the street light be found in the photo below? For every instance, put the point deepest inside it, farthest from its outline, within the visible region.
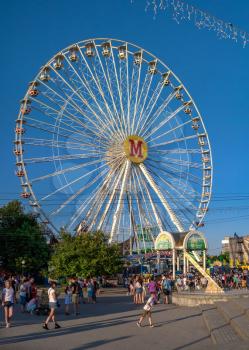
(23, 264)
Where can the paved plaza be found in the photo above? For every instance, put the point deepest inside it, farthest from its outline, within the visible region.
(111, 324)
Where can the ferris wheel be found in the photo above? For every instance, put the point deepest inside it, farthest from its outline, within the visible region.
(108, 138)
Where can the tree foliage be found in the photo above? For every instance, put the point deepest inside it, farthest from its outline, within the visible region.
(222, 257)
(86, 255)
(21, 239)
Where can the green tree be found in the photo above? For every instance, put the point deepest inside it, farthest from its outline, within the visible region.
(21, 240)
(85, 255)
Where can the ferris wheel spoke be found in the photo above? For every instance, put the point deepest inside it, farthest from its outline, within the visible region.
(90, 120)
(186, 214)
(66, 170)
(181, 139)
(97, 83)
(178, 174)
(124, 89)
(101, 122)
(118, 85)
(111, 79)
(132, 93)
(164, 202)
(180, 162)
(50, 130)
(180, 126)
(83, 206)
(140, 216)
(151, 103)
(54, 94)
(162, 123)
(63, 144)
(158, 220)
(134, 98)
(143, 98)
(106, 188)
(104, 80)
(76, 194)
(150, 220)
(179, 203)
(178, 151)
(95, 197)
(73, 182)
(133, 222)
(173, 188)
(183, 217)
(111, 198)
(93, 98)
(60, 157)
(120, 201)
(52, 112)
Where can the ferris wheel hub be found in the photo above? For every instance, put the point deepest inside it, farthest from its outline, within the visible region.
(135, 148)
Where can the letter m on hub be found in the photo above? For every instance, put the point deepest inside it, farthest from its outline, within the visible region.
(136, 148)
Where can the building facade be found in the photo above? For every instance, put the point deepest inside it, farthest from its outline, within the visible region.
(238, 249)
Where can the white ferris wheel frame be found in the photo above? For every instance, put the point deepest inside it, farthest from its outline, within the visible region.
(131, 49)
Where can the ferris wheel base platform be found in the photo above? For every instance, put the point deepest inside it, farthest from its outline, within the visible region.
(204, 297)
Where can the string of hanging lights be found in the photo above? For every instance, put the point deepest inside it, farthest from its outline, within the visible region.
(182, 11)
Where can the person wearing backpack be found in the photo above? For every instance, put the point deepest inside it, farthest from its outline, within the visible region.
(166, 287)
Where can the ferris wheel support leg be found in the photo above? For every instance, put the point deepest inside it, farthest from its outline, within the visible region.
(178, 263)
(158, 220)
(164, 202)
(120, 201)
(174, 263)
(109, 201)
(204, 260)
(184, 262)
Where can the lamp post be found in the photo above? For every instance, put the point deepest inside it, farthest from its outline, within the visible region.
(23, 264)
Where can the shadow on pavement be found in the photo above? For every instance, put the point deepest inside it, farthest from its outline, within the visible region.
(185, 346)
(97, 343)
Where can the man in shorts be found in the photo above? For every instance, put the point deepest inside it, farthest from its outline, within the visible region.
(75, 295)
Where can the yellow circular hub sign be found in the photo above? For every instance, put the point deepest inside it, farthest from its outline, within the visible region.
(135, 148)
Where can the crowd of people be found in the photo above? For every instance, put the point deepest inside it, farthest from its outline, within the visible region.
(154, 289)
(23, 291)
(139, 287)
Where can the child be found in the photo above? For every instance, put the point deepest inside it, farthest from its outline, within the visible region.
(90, 291)
(31, 305)
(68, 299)
(147, 310)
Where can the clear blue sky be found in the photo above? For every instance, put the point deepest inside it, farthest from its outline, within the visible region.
(215, 72)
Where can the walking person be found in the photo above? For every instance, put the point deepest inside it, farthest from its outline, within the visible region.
(147, 310)
(53, 304)
(138, 290)
(75, 296)
(90, 291)
(166, 286)
(23, 295)
(8, 302)
(68, 299)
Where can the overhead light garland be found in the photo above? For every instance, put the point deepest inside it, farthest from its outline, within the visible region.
(182, 11)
